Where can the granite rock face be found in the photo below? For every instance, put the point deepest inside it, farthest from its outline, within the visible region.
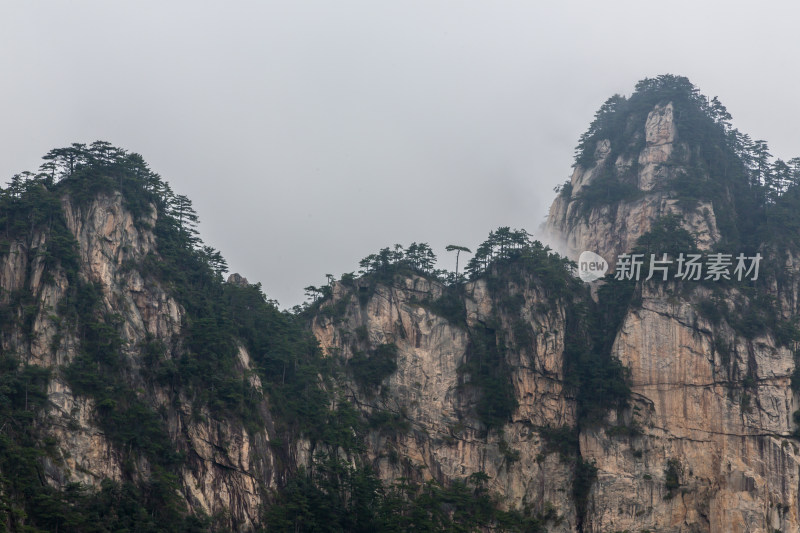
(705, 443)
(612, 229)
(444, 439)
(227, 468)
(712, 411)
(714, 408)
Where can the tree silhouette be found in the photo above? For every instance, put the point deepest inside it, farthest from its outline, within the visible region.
(457, 249)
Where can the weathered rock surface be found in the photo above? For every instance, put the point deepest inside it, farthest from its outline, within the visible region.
(612, 229)
(709, 444)
(227, 468)
(715, 404)
(445, 440)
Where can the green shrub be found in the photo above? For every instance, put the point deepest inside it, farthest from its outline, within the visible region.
(370, 370)
(672, 476)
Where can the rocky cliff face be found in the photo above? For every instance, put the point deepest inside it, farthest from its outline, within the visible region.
(716, 451)
(709, 445)
(705, 442)
(610, 229)
(445, 440)
(715, 411)
(712, 410)
(227, 468)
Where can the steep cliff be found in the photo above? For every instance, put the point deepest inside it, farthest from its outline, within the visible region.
(612, 227)
(492, 377)
(223, 466)
(140, 391)
(657, 153)
(706, 440)
(716, 450)
(441, 435)
(710, 364)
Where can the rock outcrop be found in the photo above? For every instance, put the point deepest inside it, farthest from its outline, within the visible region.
(227, 468)
(715, 412)
(445, 440)
(714, 405)
(706, 442)
(610, 229)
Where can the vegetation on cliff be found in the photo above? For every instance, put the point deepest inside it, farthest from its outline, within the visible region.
(201, 367)
(756, 202)
(713, 161)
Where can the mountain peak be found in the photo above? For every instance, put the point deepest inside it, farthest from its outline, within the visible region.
(665, 150)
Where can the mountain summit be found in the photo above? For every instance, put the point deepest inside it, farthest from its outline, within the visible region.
(665, 150)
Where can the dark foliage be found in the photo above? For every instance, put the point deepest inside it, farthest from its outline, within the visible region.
(205, 369)
(584, 476)
(599, 379)
(450, 305)
(488, 370)
(672, 477)
(418, 258)
(371, 369)
(561, 439)
(338, 496)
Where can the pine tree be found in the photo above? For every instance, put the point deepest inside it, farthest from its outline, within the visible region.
(457, 249)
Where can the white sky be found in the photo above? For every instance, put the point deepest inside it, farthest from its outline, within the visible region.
(311, 134)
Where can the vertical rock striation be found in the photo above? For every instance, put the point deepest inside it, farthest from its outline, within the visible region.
(227, 468)
(444, 438)
(713, 404)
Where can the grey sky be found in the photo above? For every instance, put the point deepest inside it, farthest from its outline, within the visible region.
(311, 134)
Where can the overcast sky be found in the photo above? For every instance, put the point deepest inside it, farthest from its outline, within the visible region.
(311, 134)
